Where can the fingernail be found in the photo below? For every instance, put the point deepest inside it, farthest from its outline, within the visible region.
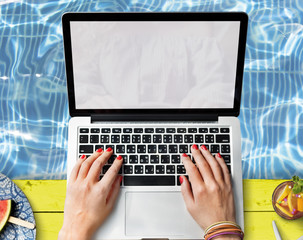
(109, 149)
(184, 155)
(119, 157)
(83, 156)
(99, 150)
(195, 147)
(121, 178)
(219, 155)
(203, 147)
(181, 179)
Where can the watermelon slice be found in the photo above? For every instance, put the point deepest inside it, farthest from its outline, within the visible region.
(5, 209)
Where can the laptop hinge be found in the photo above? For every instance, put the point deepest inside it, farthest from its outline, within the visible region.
(154, 117)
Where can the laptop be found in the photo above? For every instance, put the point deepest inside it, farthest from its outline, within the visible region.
(150, 85)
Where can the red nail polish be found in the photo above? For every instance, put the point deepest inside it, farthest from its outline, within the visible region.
(195, 147)
(203, 147)
(181, 179)
(121, 178)
(119, 157)
(83, 156)
(219, 155)
(99, 150)
(184, 155)
(109, 149)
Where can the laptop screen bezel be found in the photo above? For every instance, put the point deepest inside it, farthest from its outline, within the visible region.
(241, 17)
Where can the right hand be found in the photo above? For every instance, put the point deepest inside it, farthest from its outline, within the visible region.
(209, 198)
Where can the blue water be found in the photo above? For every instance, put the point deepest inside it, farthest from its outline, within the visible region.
(33, 98)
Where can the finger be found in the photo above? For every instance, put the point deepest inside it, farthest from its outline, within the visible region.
(225, 171)
(202, 165)
(111, 174)
(76, 168)
(114, 192)
(85, 166)
(193, 173)
(95, 170)
(213, 163)
(186, 192)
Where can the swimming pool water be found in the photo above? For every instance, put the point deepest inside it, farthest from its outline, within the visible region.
(33, 98)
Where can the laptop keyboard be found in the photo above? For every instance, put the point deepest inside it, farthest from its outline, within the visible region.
(152, 156)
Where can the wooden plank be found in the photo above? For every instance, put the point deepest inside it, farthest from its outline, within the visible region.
(49, 195)
(258, 225)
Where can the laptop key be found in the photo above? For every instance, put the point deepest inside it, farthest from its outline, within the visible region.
(225, 148)
(133, 159)
(83, 139)
(192, 130)
(99, 146)
(178, 180)
(181, 130)
(125, 138)
(178, 139)
(181, 169)
(116, 130)
(226, 158)
(94, 138)
(131, 148)
(160, 169)
(115, 139)
(149, 130)
(138, 170)
(149, 169)
(214, 130)
(146, 138)
(203, 130)
(214, 148)
(144, 159)
(152, 148)
(125, 158)
(136, 139)
(175, 159)
(224, 130)
(209, 138)
(127, 130)
(95, 130)
(165, 158)
(105, 130)
(120, 148)
(86, 148)
(222, 138)
(104, 138)
(128, 169)
(199, 138)
(84, 130)
(110, 146)
(149, 180)
(162, 148)
(188, 138)
(183, 149)
(172, 148)
(170, 130)
(167, 139)
(157, 139)
(160, 130)
(141, 148)
(170, 169)
(138, 130)
(154, 158)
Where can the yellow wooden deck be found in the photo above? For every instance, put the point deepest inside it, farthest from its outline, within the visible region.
(47, 200)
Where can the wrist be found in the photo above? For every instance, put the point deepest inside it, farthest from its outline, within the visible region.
(70, 233)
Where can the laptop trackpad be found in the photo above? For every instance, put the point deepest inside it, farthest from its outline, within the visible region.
(154, 214)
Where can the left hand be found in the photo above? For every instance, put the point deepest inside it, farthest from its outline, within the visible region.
(90, 200)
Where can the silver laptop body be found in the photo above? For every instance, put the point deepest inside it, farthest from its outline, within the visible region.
(166, 81)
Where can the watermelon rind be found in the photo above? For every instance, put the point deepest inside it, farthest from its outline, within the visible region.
(5, 209)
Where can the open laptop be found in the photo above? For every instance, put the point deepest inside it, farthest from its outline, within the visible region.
(149, 85)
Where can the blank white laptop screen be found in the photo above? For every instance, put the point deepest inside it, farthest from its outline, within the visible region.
(154, 65)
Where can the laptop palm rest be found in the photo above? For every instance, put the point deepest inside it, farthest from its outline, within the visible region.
(154, 214)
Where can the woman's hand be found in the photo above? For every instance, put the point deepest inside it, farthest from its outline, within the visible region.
(208, 193)
(90, 200)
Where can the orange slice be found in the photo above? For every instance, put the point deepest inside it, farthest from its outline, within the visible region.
(300, 202)
(292, 201)
(284, 210)
(284, 193)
